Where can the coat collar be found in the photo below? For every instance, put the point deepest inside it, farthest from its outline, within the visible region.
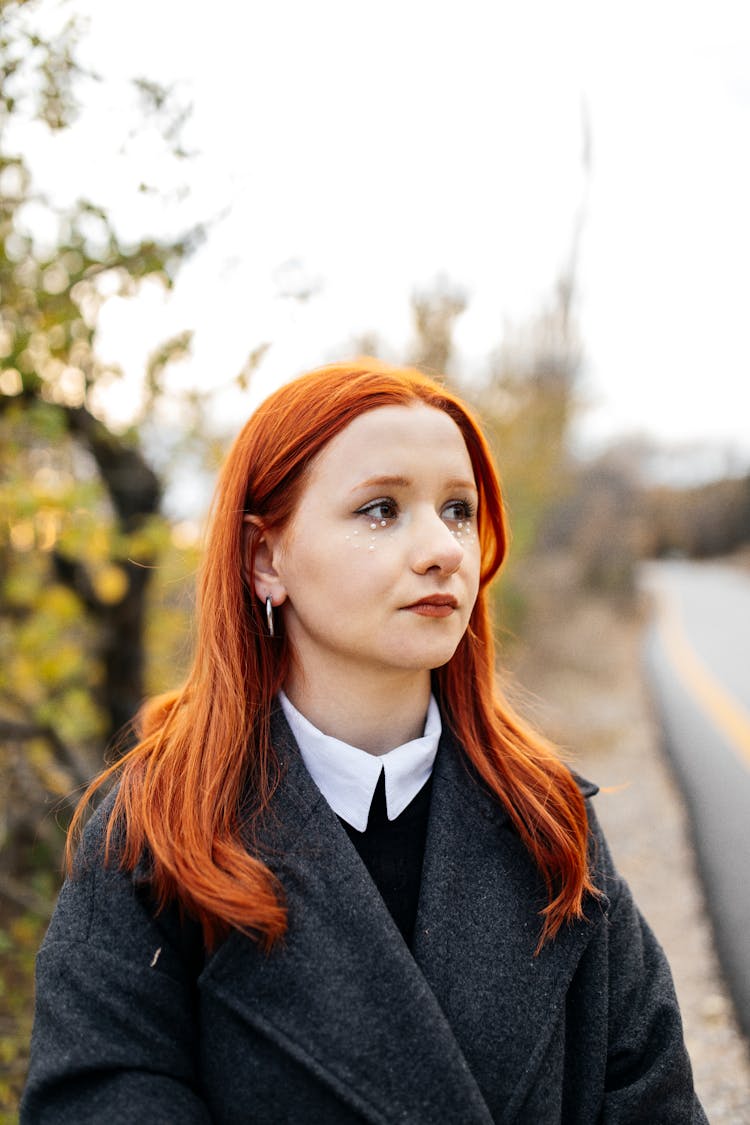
(344, 995)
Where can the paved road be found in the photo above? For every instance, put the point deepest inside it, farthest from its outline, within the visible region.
(698, 660)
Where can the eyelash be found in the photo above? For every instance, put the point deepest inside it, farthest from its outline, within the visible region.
(371, 509)
(468, 510)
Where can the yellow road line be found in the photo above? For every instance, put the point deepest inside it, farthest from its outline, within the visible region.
(729, 715)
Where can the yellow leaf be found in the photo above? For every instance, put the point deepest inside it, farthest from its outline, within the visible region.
(110, 584)
(22, 535)
(60, 603)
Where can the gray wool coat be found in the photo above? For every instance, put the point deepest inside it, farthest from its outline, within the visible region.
(342, 1023)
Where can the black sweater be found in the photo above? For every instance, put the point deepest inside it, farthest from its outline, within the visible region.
(393, 851)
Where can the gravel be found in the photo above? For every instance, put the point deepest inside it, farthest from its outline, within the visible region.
(583, 664)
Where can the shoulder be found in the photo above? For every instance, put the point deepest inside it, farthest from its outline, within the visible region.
(588, 788)
(72, 917)
(604, 873)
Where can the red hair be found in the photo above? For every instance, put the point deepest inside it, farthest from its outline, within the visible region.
(206, 747)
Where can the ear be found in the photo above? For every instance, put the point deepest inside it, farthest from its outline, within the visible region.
(259, 548)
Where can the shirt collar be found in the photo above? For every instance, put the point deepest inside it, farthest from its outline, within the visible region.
(347, 776)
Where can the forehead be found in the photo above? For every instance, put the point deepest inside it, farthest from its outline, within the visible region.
(408, 440)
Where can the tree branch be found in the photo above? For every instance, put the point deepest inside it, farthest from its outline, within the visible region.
(14, 731)
(132, 484)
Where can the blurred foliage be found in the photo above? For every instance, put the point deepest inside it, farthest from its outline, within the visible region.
(709, 519)
(610, 517)
(80, 503)
(19, 940)
(527, 404)
(598, 521)
(86, 558)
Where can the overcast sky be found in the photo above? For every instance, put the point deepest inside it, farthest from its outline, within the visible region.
(370, 147)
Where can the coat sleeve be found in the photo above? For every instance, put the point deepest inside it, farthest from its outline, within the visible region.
(114, 1033)
(648, 1072)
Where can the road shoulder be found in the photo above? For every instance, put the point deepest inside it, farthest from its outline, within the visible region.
(583, 684)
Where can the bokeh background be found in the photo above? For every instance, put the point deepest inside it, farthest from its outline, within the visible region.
(545, 203)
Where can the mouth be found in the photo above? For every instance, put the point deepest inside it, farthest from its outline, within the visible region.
(437, 605)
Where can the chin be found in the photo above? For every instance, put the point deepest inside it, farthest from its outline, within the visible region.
(427, 661)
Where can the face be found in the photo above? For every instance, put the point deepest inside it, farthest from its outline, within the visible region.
(379, 566)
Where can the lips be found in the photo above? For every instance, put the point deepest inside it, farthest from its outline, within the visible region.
(437, 605)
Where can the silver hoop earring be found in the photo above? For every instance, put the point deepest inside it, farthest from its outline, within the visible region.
(269, 616)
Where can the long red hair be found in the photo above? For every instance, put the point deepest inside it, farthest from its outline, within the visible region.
(205, 750)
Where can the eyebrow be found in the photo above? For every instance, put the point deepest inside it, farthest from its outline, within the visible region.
(404, 482)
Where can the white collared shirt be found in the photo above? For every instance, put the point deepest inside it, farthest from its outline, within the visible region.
(347, 776)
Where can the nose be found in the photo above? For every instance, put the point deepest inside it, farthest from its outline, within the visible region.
(435, 546)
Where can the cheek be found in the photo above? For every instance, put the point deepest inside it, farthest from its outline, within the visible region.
(353, 568)
(472, 566)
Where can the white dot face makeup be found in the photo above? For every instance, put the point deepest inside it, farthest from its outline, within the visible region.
(461, 531)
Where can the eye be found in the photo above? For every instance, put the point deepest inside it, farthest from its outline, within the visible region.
(383, 509)
(458, 510)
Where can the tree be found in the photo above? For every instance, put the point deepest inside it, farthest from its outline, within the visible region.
(528, 401)
(435, 310)
(81, 525)
(702, 521)
(81, 529)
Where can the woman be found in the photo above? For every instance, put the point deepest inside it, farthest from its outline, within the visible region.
(339, 880)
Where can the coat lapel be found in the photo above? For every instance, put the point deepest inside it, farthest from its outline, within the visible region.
(477, 928)
(343, 994)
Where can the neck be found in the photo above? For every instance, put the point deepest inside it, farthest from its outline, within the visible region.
(373, 716)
